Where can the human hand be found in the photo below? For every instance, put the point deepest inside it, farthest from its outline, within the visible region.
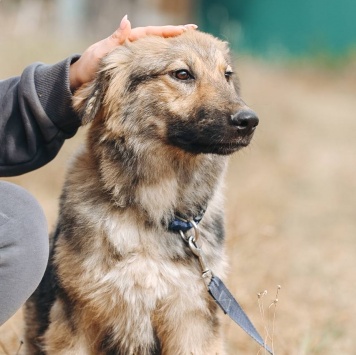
(84, 69)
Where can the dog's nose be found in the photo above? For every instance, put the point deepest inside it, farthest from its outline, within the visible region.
(245, 121)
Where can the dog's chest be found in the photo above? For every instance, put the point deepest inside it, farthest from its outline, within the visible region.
(151, 266)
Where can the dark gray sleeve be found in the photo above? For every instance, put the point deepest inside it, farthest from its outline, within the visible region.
(36, 116)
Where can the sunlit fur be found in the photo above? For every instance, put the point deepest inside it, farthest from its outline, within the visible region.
(118, 281)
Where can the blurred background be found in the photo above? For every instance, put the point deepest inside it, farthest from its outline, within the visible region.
(290, 196)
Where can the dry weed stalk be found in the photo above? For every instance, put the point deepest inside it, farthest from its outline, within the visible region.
(19, 348)
(269, 329)
(5, 352)
(8, 348)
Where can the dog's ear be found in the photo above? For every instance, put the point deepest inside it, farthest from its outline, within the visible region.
(88, 99)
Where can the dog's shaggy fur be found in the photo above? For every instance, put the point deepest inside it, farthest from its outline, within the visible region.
(164, 114)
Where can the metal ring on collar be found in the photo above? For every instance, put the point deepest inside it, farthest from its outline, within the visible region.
(187, 235)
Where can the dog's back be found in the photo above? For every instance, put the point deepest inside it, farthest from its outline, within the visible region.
(165, 114)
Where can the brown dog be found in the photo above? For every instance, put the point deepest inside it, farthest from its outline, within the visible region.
(164, 114)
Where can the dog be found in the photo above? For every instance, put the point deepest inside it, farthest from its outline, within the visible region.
(165, 114)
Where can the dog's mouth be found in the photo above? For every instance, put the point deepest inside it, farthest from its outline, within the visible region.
(211, 146)
(222, 148)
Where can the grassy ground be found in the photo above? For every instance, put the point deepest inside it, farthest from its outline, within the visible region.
(290, 202)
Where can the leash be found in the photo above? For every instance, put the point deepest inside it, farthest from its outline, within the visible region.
(216, 288)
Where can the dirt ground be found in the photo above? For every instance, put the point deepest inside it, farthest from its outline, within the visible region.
(290, 203)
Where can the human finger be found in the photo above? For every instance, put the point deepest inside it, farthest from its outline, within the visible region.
(162, 31)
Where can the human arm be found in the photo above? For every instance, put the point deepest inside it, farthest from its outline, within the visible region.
(36, 116)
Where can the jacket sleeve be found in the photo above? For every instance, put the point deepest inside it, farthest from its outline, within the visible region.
(36, 117)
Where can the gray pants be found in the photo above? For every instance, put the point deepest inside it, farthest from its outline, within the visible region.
(23, 247)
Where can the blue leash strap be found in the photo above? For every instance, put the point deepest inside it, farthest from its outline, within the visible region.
(216, 287)
(229, 305)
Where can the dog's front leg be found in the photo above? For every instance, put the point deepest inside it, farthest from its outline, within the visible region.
(184, 329)
(60, 338)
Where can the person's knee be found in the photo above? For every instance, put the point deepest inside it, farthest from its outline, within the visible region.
(24, 245)
(27, 226)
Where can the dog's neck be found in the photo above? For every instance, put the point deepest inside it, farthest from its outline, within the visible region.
(159, 182)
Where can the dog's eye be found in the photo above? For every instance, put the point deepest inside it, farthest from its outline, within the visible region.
(228, 74)
(182, 74)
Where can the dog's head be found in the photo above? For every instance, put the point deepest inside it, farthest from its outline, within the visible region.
(181, 92)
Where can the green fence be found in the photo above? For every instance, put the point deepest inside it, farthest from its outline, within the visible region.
(266, 27)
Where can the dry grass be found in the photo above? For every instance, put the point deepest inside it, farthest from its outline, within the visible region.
(290, 208)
